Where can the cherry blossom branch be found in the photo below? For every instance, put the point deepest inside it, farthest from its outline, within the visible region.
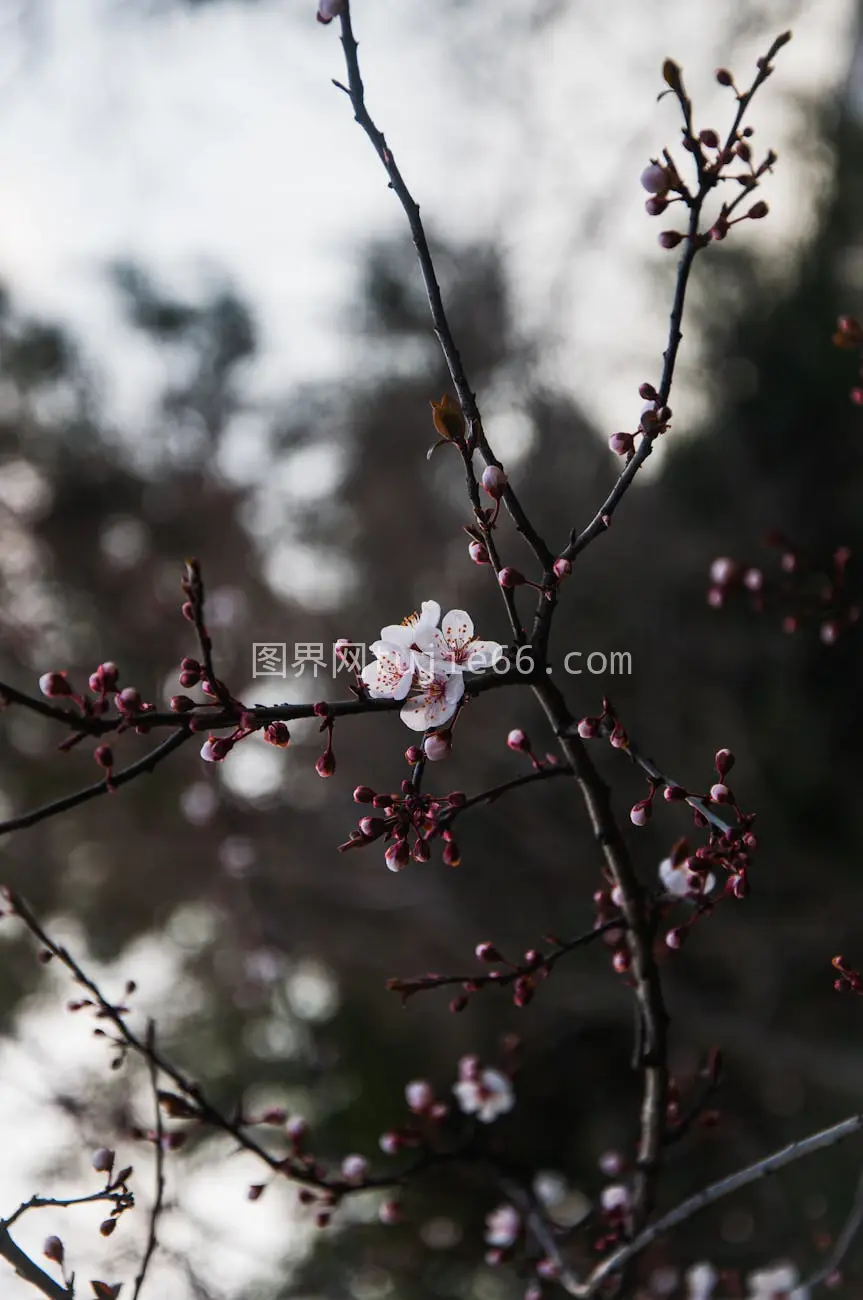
(146, 764)
(694, 242)
(633, 904)
(467, 399)
(542, 963)
(29, 1270)
(489, 796)
(715, 1192)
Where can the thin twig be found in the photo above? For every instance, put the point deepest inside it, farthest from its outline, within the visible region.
(158, 1199)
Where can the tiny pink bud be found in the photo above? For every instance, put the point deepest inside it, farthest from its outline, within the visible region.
(329, 9)
(588, 728)
(390, 1143)
(363, 794)
(413, 755)
(639, 813)
(611, 1163)
(562, 567)
(53, 1249)
(419, 1095)
(673, 793)
(829, 631)
(655, 178)
(656, 205)
(277, 733)
(621, 961)
(296, 1128)
(104, 756)
(753, 579)
(724, 77)
(518, 741)
(621, 443)
(486, 951)
(128, 700)
(54, 685)
(674, 938)
(720, 793)
(390, 1212)
(709, 138)
(451, 855)
(758, 210)
(103, 1160)
(398, 855)
(722, 571)
(494, 481)
(670, 239)
(509, 577)
(355, 1169)
(326, 764)
(479, 553)
(181, 704)
(723, 761)
(437, 746)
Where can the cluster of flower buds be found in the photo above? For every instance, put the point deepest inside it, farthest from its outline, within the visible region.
(798, 594)
(398, 816)
(104, 684)
(713, 159)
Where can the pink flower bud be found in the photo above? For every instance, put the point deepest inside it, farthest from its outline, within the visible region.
(758, 210)
(479, 553)
(722, 570)
(724, 77)
(562, 567)
(509, 577)
(655, 206)
(103, 1160)
(128, 700)
(829, 631)
(621, 961)
(413, 755)
(487, 952)
(326, 764)
(296, 1128)
(723, 761)
(611, 1164)
(720, 793)
(673, 794)
(670, 239)
(54, 685)
(621, 443)
(753, 579)
(437, 746)
(181, 704)
(363, 794)
(494, 480)
(419, 1095)
(451, 855)
(518, 741)
(639, 813)
(355, 1169)
(390, 1212)
(390, 1143)
(674, 938)
(588, 728)
(398, 855)
(104, 756)
(53, 1249)
(329, 9)
(655, 178)
(276, 733)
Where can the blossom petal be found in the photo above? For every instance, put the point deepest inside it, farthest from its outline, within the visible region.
(482, 655)
(457, 628)
(391, 674)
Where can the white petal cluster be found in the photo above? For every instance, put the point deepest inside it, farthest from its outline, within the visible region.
(423, 664)
(487, 1095)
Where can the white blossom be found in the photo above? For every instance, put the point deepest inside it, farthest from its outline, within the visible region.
(701, 1280)
(780, 1280)
(453, 647)
(488, 1095)
(680, 880)
(502, 1226)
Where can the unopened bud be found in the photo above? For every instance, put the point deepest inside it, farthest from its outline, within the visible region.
(621, 443)
(655, 178)
(479, 553)
(437, 746)
(509, 577)
(494, 481)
